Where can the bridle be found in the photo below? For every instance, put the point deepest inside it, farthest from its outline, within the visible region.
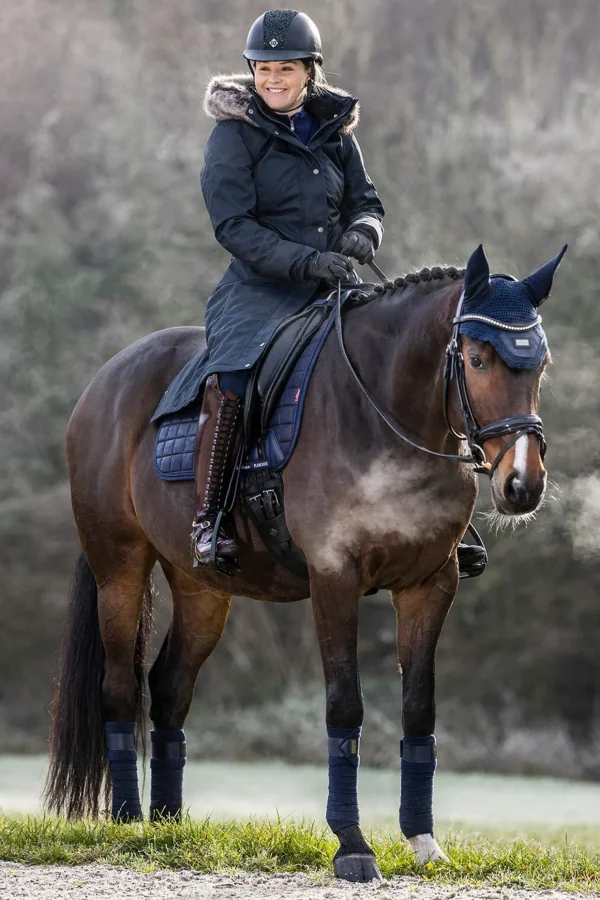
(454, 370)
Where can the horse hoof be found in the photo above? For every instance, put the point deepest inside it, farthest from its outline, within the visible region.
(357, 867)
(427, 849)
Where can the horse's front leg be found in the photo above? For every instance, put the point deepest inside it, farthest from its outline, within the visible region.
(421, 613)
(335, 600)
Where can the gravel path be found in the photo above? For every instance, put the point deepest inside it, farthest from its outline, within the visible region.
(97, 882)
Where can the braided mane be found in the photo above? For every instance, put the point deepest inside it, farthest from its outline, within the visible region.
(425, 277)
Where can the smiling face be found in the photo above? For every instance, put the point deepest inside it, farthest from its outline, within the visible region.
(282, 85)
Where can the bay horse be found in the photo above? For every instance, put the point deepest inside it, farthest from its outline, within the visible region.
(372, 504)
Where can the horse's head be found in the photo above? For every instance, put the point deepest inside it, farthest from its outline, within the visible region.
(505, 353)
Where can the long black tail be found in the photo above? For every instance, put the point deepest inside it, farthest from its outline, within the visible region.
(77, 782)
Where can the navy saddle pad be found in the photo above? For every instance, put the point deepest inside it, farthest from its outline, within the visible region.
(175, 445)
(176, 438)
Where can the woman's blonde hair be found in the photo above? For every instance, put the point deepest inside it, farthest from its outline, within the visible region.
(319, 79)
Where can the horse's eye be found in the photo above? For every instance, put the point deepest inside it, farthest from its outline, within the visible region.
(476, 362)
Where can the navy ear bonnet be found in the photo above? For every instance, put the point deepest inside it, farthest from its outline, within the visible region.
(513, 303)
(508, 302)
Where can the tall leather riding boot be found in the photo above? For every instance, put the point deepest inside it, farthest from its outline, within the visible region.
(216, 445)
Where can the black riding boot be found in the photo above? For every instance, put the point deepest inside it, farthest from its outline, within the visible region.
(215, 451)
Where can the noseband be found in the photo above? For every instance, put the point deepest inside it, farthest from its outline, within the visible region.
(454, 370)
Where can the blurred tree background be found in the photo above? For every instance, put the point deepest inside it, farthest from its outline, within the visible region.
(479, 123)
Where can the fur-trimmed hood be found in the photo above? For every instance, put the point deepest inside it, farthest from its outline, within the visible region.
(228, 96)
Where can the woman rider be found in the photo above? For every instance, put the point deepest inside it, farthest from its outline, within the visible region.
(288, 196)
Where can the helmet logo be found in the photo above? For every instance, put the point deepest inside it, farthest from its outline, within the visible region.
(273, 43)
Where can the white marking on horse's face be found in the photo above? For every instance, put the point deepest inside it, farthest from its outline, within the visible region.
(426, 849)
(520, 461)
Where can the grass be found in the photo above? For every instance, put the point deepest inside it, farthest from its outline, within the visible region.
(282, 846)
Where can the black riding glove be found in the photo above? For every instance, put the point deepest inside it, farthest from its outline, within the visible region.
(358, 245)
(329, 266)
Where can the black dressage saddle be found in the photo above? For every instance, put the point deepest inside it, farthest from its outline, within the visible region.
(285, 347)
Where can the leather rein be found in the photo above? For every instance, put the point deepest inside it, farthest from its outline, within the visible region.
(454, 370)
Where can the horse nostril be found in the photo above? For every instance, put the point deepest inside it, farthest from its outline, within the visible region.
(513, 489)
(522, 496)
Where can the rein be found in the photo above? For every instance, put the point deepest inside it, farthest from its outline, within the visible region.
(454, 370)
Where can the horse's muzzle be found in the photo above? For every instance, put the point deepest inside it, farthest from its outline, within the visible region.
(519, 494)
(524, 496)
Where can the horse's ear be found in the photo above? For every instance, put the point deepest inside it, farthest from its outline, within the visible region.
(538, 284)
(477, 275)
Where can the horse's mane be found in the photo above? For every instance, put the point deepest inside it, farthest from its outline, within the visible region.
(426, 280)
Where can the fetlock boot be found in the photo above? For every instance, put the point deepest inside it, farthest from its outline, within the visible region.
(216, 444)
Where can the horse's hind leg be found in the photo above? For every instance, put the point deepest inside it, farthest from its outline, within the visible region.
(421, 613)
(121, 596)
(199, 617)
(98, 695)
(335, 599)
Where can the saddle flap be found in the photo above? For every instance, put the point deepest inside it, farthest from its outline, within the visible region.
(281, 354)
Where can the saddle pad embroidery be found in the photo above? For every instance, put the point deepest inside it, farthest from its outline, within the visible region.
(176, 438)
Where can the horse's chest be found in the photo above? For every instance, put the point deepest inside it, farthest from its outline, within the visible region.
(411, 541)
(396, 521)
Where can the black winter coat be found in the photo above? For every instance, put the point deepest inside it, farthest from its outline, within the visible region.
(272, 202)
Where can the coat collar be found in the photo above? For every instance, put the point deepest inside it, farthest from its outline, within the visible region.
(228, 97)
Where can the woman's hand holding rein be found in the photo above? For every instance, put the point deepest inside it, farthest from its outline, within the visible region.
(329, 266)
(358, 245)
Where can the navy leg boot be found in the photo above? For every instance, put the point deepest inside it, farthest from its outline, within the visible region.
(122, 759)
(418, 765)
(167, 764)
(354, 861)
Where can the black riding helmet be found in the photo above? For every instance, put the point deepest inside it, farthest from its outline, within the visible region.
(282, 34)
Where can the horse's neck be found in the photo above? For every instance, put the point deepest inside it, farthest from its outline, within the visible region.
(399, 343)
